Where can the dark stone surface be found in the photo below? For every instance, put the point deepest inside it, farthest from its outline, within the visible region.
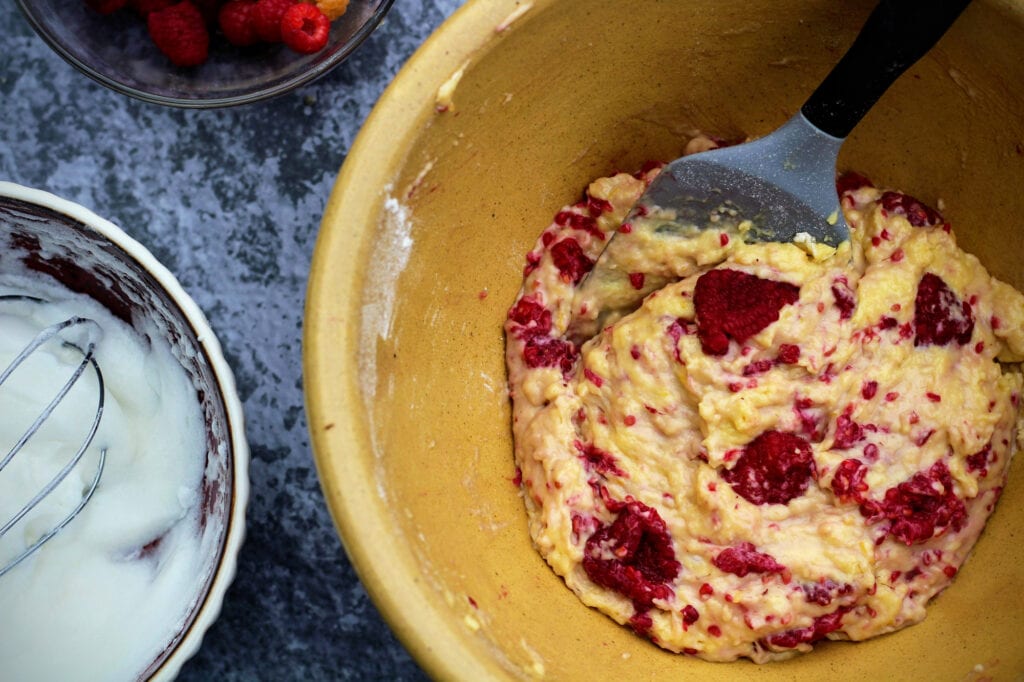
(230, 200)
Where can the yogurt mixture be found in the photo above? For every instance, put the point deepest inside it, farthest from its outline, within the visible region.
(785, 443)
(100, 600)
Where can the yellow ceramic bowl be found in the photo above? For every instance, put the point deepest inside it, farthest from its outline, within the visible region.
(502, 117)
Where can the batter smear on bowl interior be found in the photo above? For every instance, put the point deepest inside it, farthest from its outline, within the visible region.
(786, 443)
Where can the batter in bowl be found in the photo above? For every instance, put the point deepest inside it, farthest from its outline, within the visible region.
(786, 443)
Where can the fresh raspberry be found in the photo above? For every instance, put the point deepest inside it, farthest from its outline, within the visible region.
(180, 33)
(106, 6)
(305, 29)
(633, 556)
(940, 317)
(848, 483)
(237, 22)
(146, 7)
(332, 8)
(774, 468)
(268, 16)
(919, 508)
(917, 213)
(744, 558)
(570, 260)
(736, 305)
(821, 626)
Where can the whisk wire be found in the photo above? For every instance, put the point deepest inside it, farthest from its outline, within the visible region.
(88, 359)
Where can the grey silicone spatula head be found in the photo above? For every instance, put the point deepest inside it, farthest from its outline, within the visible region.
(778, 188)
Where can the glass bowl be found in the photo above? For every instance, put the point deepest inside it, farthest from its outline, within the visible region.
(134, 66)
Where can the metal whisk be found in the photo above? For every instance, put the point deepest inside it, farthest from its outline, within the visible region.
(88, 360)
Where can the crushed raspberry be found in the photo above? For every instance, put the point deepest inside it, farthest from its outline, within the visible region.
(534, 317)
(917, 213)
(774, 468)
(641, 622)
(304, 28)
(578, 221)
(596, 459)
(267, 17)
(676, 331)
(690, 615)
(596, 206)
(636, 280)
(593, 377)
(179, 31)
(789, 353)
(868, 389)
(821, 627)
(757, 367)
(844, 298)
(822, 593)
(850, 181)
(980, 460)
(544, 351)
(919, 508)
(570, 260)
(237, 22)
(744, 558)
(848, 433)
(736, 305)
(633, 556)
(940, 317)
(848, 483)
(706, 590)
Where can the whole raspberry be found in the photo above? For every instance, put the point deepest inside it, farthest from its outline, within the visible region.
(774, 468)
(736, 305)
(940, 317)
(237, 23)
(305, 29)
(267, 16)
(180, 33)
(106, 6)
(146, 7)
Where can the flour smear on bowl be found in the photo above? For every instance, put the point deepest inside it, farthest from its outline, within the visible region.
(787, 443)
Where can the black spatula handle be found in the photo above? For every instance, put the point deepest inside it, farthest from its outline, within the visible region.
(897, 34)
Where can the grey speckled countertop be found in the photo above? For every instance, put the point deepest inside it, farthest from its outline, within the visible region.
(230, 200)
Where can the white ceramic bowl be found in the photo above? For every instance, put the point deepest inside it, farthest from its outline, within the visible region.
(83, 251)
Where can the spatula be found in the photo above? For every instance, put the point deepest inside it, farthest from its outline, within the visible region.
(784, 183)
